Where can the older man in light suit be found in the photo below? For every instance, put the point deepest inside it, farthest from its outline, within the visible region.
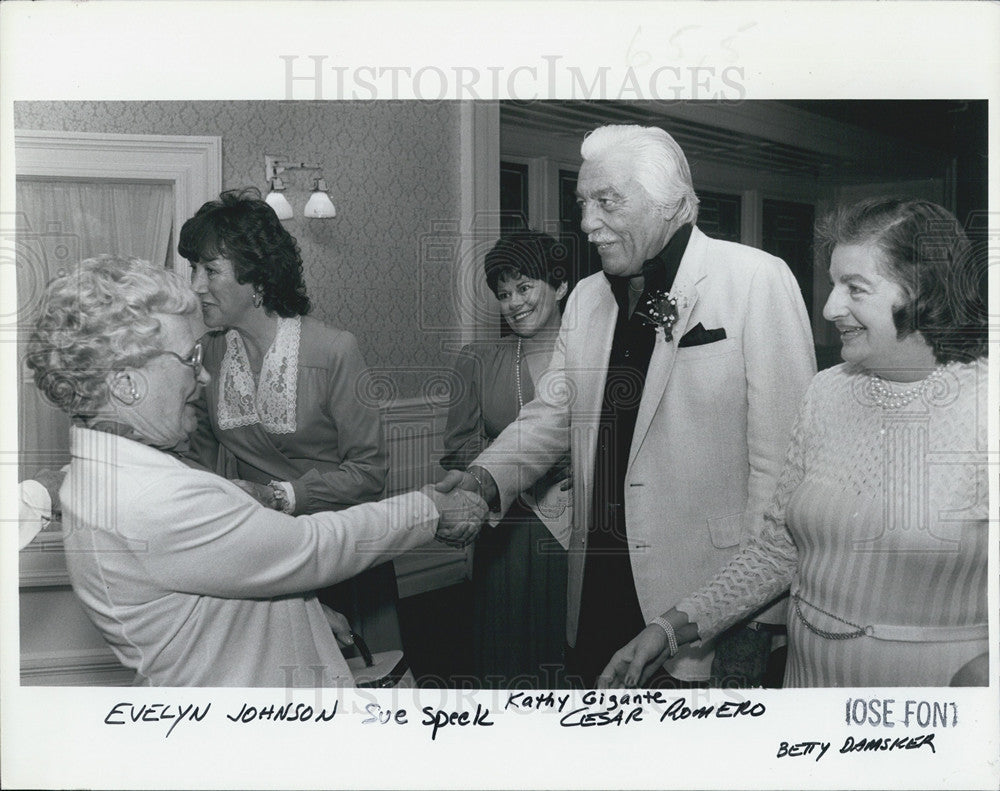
(674, 384)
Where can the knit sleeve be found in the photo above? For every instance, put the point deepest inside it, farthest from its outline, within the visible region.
(764, 568)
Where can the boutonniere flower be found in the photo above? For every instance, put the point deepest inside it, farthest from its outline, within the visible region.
(659, 309)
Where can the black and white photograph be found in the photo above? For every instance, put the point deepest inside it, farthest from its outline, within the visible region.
(382, 411)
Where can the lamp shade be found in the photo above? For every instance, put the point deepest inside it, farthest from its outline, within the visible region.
(319, 205)
(280, 204)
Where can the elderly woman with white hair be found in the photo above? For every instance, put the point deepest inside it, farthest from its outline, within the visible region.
(189, 579)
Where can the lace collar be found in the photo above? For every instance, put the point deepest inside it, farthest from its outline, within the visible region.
(272, 403)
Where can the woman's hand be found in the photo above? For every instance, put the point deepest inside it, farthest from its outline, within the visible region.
(52, 480)
(261, 492)
(339, 624)
(632, 665)
(461, 514)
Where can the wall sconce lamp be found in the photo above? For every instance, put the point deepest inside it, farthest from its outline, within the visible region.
(319, 204)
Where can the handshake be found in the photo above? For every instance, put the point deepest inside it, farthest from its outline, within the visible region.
(460, 503)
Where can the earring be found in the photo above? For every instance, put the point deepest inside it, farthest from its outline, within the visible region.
(258, 297)
(129, 397)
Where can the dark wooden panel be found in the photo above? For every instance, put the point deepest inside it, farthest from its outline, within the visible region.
(513, 197)
(788, 234)
(719, 215)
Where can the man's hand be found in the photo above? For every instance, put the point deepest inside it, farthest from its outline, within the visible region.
(456, 479)
(561, 473)
(462, 513)
(260, 492)
(632, 665)
(475, 479)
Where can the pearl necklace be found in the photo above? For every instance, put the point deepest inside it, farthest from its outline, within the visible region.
(517, 377)
(886, 398)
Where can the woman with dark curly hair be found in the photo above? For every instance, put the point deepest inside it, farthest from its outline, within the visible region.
(282, 416)
(879, 521)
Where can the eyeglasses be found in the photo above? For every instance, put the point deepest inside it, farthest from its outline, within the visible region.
(192, 361)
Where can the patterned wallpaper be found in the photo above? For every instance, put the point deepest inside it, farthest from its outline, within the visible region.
(393, 173)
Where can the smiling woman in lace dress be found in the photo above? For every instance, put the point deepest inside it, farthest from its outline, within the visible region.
(283, 416)
(879, 522)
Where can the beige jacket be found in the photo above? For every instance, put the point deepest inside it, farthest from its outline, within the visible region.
(713, 424)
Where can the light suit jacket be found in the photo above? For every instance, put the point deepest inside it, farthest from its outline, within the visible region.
(712, 429)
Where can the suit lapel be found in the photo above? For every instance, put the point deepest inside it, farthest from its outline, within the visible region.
(591, 374)
(689, 274)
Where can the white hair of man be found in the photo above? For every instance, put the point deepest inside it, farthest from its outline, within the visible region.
(660, 165)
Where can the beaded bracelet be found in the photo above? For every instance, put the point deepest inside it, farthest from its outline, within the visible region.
(667, 627)
(281, 501)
